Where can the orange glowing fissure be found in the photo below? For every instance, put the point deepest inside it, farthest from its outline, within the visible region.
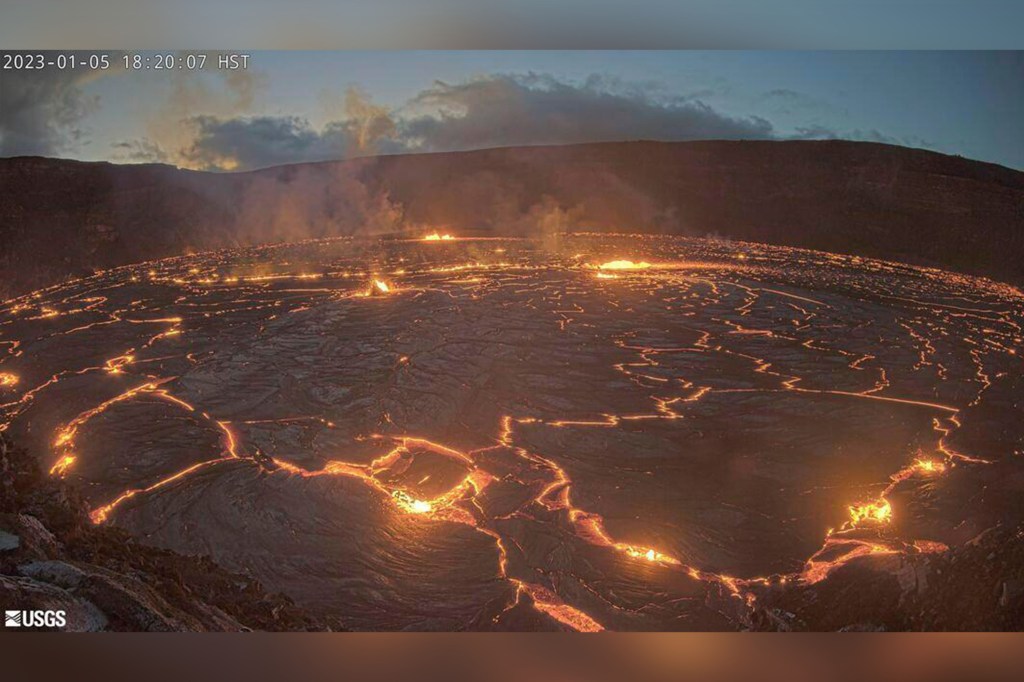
(624, 265)
(555, 496)
(62, 465)
(875, 514)
(880, 511)
(442, 507)
(65, 438)
(375, 288)
(446, 507)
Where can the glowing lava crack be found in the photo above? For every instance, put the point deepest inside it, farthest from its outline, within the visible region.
(654, 452)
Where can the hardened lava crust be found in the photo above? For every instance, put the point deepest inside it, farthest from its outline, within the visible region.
(580, 432)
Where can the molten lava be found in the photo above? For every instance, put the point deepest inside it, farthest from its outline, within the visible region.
(408, 503)
(624, 265)
(62, 466)
(577, 398)
(651, 555)
(929, 466)
(874, 512)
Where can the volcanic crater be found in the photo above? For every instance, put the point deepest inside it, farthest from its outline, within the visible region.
(628, 432)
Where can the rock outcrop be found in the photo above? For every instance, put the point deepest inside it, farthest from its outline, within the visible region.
(976, 587)
(52, 557)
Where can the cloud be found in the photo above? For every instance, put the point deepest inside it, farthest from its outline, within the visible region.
(209, 122)
(41, 111)
(493, 111)
(219, 142)
(172, 129)
(140, 151)
(814, 132)
(505, 110)
(820, 132)
(256, 142)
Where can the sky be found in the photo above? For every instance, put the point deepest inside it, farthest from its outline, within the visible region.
(294, 106)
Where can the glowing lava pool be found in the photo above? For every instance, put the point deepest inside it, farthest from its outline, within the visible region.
(589, 432)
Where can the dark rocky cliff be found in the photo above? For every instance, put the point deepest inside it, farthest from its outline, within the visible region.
(64, 218)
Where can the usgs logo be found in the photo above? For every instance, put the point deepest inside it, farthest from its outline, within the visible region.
(34, 619)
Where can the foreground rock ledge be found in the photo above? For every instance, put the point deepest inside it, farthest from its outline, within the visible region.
(51, 557)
